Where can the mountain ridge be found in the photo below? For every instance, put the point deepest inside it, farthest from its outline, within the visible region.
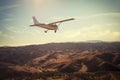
(62, 57)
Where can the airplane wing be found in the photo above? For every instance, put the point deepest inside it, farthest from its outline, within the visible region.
(62, 21)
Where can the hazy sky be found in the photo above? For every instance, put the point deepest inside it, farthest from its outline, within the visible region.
(94, 20)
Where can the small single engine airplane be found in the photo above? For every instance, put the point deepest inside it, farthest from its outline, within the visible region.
(49, 26)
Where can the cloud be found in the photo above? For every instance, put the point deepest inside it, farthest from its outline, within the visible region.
(114, 14)
(17, 30)
(71, 34)
(110, 14)
(94, 32)
(0, 33)
(23, 33)
(103, 27)
(5, 38)
(4, 35)
(9, 7)
(8, 19)
(100, 32)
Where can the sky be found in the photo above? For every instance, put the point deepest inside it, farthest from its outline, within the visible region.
(94, 20)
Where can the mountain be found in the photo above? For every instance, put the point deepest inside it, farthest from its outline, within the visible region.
(70, 58)
(95, 41)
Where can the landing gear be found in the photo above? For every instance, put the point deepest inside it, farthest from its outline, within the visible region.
(55, 31)
(45, 31)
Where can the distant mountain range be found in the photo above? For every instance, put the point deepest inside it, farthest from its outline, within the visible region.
(95, 41)
(61, 57)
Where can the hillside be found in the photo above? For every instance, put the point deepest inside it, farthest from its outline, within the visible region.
(70, 58)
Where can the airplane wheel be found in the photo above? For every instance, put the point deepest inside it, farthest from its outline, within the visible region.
(45, 31)
(55, 31)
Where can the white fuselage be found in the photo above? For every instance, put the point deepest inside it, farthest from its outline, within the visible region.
(47, 26)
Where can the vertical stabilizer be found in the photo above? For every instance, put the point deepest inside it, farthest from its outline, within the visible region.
(35, 20)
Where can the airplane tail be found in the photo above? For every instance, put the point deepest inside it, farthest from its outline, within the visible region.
(35, 20)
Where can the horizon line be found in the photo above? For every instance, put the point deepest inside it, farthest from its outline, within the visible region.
(88, 41)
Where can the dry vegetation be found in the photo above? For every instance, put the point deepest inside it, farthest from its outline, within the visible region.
(61, 61)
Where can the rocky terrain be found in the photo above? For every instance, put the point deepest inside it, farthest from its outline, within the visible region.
(62, 61)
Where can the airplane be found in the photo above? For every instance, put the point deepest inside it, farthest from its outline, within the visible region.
(49, 26)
